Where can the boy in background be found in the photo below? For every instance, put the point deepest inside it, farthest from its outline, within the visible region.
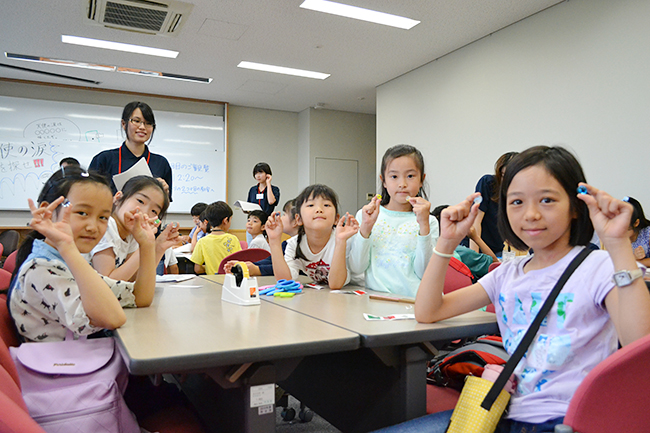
(211, 249)
(198, 230)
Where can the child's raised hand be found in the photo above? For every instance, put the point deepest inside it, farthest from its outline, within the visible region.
(639, 253)
(59, 233)
(610, 216)
(140, 227)
(369, 215)
(274, 227)
(456, 221)
(421, 209)
(168, 238)
(347, 227)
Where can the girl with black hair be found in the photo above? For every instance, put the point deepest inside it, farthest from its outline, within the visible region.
(605, 300)
(397, 235)
(639, 232)
(55, 289)
(116, 255)
(320, 248)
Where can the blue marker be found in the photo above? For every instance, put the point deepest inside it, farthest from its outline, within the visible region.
(582, 190)
(478, 200)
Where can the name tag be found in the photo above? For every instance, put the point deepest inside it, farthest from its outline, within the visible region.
(259, 196)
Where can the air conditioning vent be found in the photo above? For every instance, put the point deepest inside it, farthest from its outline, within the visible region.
(165, 18)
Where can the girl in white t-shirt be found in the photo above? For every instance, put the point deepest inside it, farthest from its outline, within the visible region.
(545, 204)
(320, 248)
(116, 255)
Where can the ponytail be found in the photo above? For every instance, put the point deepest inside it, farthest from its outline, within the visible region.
(299, 253)
(25, 250)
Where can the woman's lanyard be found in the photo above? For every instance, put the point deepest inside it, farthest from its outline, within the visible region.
(259, 200)
(119, 169)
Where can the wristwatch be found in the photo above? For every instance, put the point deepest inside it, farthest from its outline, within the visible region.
(625, 278)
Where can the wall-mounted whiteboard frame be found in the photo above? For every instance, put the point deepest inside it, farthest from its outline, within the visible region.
(36, 134)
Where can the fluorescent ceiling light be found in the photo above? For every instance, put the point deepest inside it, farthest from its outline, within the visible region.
(359, 13)
(282, 70)
(59, 62)
(118, 46)
(213, 128)
(86, 116)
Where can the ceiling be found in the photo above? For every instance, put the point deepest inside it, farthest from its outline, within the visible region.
(218, 34)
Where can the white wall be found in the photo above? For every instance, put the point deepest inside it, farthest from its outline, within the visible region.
(576, 74)
(257, 135)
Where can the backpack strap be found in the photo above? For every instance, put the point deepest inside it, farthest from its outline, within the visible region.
(521, 349)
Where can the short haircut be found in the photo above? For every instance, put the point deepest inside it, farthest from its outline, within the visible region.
(260, 215)
(69, 161)
(262, 167)
(566, 169)
(198, 209)
(216, 212)
(637, 214)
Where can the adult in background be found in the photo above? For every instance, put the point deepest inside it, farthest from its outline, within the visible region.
(139, 124)
(486, 220)
(264, 194)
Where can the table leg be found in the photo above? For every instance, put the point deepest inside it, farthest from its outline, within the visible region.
(365, 389)
(248, 407)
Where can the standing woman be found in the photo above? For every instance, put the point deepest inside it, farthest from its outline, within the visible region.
(139, 124)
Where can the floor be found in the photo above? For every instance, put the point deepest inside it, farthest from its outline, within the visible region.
(317, 424)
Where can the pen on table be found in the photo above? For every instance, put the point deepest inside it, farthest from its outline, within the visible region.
(392, 299)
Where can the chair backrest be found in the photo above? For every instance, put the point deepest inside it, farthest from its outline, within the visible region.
(5, 279)
(247, 255)
(610, 398)
(10, 262)
(7, 327)
(9, 240)
(455, 279)
(15, 419)
(493, 266)
(7, 363)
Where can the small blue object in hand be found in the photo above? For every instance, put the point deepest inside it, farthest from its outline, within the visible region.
(582, 190)
(478, 199)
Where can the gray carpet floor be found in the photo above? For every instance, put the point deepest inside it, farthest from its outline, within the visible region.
(317, 424)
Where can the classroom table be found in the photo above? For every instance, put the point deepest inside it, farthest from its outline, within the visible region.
(384, 381)
(188, 329)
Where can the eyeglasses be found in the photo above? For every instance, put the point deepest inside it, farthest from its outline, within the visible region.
(138, 123)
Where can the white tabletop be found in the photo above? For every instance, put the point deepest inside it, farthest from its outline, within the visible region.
(189, 329)
(346, 311)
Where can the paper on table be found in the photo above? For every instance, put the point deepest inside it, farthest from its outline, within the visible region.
(392, 317)
(183, 249)
(173, 278)
(246, 206)
(140, 168)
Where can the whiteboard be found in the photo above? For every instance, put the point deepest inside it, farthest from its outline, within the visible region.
(36, 134)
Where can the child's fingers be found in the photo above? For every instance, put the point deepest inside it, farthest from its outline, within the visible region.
(52, 206)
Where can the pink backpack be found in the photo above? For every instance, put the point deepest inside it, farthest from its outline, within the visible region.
(75, 386)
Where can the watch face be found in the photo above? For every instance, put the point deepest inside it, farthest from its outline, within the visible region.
(622, 278)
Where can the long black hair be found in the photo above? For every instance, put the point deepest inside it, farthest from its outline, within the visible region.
(394, 153)
(57, 185)
(566, 169)
(311, 192)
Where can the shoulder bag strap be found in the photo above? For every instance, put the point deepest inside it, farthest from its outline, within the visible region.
(521, 349)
